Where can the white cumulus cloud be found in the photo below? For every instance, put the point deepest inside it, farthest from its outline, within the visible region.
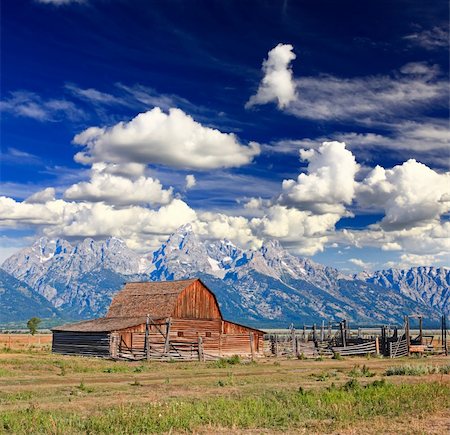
(411, 194)
(360, 263)
(190, 181)
(329, 182)
(119, 190)
(42, 196)
(172, 139)
(277, 85)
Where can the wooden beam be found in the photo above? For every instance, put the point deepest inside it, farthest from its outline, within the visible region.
(444, 334)
(344, 341)
(200, 349)
(420, 330)
(252, 346)
(146, 343)
(408, 337)
(294, 351)
(167, 339)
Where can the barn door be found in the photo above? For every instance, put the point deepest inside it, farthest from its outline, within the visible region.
(126, 341)
(114, 345)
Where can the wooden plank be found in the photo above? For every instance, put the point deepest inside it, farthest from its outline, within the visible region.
(167, 337)
(196, 302)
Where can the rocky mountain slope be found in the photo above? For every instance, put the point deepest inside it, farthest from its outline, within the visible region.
(428, 285)
(268, 286)
(19, 302)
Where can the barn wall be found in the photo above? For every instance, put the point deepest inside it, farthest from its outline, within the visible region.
(196, 302)
(184, 332)
(232, 329)
(81, 343)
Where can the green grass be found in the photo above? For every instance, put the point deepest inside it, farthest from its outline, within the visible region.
(363, 372)
(326, 409)
(416, 370)
(225, 362)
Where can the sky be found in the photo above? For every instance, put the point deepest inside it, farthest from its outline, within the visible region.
(321, 124)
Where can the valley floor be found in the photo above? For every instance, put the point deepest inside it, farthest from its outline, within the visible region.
(45, 393)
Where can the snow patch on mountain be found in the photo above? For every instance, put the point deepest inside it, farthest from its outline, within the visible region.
(268, 284)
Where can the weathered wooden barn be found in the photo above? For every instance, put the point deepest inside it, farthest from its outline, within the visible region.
(160, 320)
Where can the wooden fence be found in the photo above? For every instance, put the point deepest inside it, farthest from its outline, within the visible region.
(290, 345)
(367, 348)
(398, 349)
(160, 349)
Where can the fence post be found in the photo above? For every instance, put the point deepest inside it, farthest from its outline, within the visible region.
(420, 330)
(147, 333)
(167, 340)
(444, 335)
(341, 326)
(201, 356)
(322, 331)
(408, 338)
(294, 350)
(377, 346)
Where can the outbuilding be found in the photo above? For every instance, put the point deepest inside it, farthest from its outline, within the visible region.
(160, 320)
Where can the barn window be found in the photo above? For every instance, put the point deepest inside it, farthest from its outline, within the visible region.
(208, 334)
(180, 334)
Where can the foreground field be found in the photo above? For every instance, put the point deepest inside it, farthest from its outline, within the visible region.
(45, 393)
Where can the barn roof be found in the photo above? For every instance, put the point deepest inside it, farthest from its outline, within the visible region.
(141, 298)
(104, 324)
(131, 305)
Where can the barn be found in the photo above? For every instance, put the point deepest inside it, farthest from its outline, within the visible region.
(160, 320)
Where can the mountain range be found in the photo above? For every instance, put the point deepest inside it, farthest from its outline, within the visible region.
(268, 287)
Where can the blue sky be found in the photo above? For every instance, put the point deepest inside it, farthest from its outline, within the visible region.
(321, 124)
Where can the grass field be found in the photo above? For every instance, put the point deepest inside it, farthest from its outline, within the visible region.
(45, 393)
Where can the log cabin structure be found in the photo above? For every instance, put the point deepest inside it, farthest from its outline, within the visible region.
(160, 320)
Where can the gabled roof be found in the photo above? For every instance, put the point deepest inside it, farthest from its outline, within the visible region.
(132, 304)
(141, 298)
(104, 324)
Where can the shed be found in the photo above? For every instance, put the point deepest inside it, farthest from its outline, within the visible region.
(160, 320)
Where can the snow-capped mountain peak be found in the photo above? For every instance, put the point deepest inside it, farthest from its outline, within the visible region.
(269, 283)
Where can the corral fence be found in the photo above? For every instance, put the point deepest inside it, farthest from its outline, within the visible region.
(338, 339)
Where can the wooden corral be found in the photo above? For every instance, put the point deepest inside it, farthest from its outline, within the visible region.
(338, 339)
(160, 320)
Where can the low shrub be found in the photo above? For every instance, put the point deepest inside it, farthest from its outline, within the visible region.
(225, 362)
(363, 372)
(412, 370)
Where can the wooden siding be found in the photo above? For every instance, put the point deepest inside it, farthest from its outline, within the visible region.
(235, 328)
(184, 317)
(81, 343)
(184, 335)
(196, 302)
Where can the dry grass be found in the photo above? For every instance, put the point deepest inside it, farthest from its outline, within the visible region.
(25, 342)
(39, 386)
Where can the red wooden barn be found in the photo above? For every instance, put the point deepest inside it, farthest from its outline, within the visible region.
(160, 320)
